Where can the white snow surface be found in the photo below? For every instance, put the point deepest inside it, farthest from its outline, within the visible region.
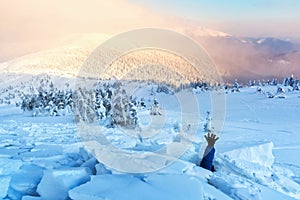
(260, 154)
(154, 186)
(257, 155)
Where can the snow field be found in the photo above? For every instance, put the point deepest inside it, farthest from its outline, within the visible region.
(46, 158)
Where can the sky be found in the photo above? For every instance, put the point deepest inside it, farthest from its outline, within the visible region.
(31, 25)
(279, 18)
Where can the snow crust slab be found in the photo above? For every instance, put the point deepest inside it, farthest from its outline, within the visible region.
(241, 188)
(4, 185)
(156, 186)
(260, 154)
(55, 184)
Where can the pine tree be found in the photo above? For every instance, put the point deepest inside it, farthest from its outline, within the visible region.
(123, 112)
(142, 103)
(120, 108)
(133, 115)
(155, 109)
(208, 124)
(235, 86)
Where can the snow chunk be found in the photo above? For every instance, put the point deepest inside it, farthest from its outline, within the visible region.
(31, 198)
(188, 168)
(9, 166)
(25, 181)
(241, 188)
(210, 192)
(44, 150)
(153, 186)
(101, 169)
(55, 184)
(4, 185)
(90, 163)
(260, 154)
(75, 147)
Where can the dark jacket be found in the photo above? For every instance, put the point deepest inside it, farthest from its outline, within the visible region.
(207, 159)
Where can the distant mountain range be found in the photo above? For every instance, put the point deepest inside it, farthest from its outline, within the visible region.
(236, 57)
(253, 58)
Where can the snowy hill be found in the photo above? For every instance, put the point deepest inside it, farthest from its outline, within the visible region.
(67, 61)
(46, 157)
(62, 61)
(242, 58)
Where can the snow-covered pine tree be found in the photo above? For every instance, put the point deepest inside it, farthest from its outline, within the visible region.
(142, 103)
(99, 108)
(78, 98)
(235, 86)
(53, 111)
(61, 100)
(120, 108)
(84, 106)
(164, 88)
(68, 100)
(208, 123)
(133, 115)
(249, 84)
(155, 109)
(280, 90)
(90, 106)
(274, 81)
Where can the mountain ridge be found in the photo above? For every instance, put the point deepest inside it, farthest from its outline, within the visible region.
(236, 57)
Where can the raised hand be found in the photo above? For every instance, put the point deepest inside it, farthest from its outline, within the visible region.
(211, 139)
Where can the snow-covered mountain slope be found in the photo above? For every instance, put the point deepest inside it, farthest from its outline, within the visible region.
(277, 46)
(242, 58)
(62, 61)
(158, 65)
